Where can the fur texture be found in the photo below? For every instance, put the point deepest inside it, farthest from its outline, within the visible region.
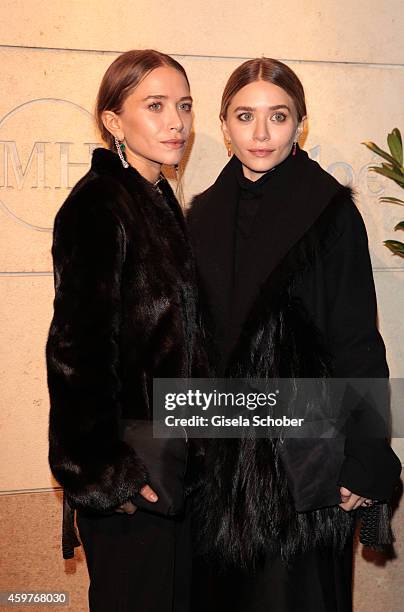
(124, 312)
(245, 509)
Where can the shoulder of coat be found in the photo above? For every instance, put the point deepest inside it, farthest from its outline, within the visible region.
(95, 198)
(198, 204)
(342, 218)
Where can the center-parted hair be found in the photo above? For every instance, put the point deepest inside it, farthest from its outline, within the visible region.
(124, 74)
(265, 69)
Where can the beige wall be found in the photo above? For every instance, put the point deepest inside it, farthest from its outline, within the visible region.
(349, 56)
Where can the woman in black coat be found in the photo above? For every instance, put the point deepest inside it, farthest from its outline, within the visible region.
(287, 284)
(124, 312)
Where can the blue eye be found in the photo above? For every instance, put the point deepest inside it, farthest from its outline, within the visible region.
(155, 106)
(245, 116)
(186, 106)
(279, 117)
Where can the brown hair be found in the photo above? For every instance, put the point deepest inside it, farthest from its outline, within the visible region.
(265, 69)
(123, 75)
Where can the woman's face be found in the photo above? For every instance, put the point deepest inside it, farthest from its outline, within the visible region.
(261, 124)
(155, 121)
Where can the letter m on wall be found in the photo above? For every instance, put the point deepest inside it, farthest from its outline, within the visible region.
(14, 175)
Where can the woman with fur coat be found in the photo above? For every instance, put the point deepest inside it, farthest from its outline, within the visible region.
(287, 285)
(124, 312)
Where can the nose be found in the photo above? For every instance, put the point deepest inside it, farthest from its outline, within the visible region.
(176, 122)
(261, 132)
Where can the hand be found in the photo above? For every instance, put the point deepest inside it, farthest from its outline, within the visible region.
(126, 508)
(351, 501)
(130, 508)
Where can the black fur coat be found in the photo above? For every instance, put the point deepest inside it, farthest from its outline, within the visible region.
(313, 316)
(124, 312)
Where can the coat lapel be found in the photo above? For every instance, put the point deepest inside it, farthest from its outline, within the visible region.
(211, 222)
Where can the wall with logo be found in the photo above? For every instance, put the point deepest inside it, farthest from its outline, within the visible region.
(349, 57)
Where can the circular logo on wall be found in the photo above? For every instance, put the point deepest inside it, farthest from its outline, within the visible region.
(45, 147)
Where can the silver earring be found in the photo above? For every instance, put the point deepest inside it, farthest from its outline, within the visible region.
(120, 149)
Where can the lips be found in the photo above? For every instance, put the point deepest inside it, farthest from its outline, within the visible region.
(175, 143)
(261, 152)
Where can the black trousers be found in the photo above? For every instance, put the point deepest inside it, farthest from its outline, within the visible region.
(137, 563)
(317, 581)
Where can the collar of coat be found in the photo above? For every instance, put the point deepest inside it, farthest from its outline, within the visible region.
(107, 163)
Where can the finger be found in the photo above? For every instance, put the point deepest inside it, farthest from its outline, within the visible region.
(345, 497)
(354, 502)
(349, 505)
(345, 492)
(359, 503)
(148, 493)
(129, 507)
(126, 508)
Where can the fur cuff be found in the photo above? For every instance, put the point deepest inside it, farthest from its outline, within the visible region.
(102, 485)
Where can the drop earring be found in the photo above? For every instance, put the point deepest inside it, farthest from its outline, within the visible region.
(120, 149)
(229, 151)
(294, 148)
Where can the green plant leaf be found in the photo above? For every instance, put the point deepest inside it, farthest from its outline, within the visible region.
(395, 145)
(391, 174)
(396, 247)
(397, 133)
(373, 147)
(388, 166)
(394, 171)
(392, 200)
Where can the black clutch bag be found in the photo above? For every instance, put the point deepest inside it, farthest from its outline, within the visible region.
(166, 462)
(375, 530)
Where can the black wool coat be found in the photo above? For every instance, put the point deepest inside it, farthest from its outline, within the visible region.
(313, 316)
(124, 312)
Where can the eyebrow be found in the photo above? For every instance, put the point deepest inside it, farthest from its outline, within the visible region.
(160, 97)
(251, 108)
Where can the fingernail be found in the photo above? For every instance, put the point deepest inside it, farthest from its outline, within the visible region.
(153, 497)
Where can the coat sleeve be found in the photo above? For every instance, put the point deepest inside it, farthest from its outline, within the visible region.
(96, 469)
(370, 468)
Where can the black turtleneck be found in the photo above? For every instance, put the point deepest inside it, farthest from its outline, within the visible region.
(248, 205)
(252, 196)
